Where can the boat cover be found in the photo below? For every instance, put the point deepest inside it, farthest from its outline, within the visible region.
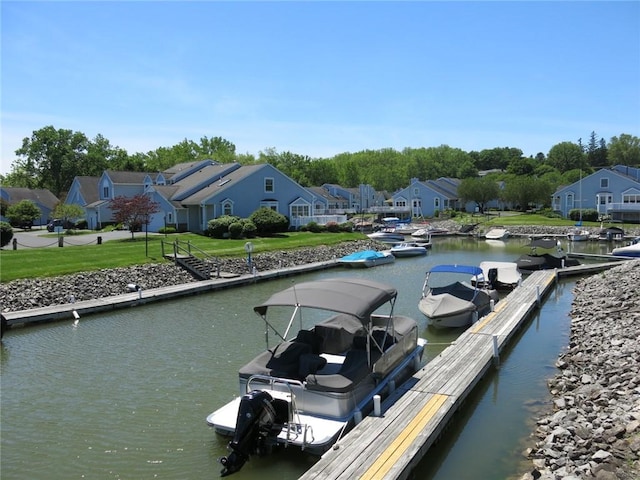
(363, 255)
(353, 296)
(469, 269)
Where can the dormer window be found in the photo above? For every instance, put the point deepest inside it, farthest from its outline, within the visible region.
(604, 183)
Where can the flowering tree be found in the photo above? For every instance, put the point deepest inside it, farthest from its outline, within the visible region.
(133, 211)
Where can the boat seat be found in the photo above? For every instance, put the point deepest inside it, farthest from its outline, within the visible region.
(282, 361)
(354, 369)
(311, 338)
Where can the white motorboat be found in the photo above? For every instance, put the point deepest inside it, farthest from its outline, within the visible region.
(320, 377)
(631, 250)
(387, 236)
(450, 303)
(553, 256)
(408, 249)
(497, 234)
(578, 235)
(367, 258)
(506, 275)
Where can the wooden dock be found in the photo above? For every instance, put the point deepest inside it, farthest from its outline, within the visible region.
(390, 446)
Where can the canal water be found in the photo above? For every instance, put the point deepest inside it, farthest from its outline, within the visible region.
(124, 395)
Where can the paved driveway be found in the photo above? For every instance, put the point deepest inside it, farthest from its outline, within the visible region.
(38, 238)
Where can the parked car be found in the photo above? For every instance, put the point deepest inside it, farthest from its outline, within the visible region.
(58, 222)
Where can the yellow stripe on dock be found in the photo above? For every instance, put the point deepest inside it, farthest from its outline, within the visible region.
(487, 318)
(387, 460)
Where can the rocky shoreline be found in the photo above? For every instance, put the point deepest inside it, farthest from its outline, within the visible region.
(26, 294)
(593, 431)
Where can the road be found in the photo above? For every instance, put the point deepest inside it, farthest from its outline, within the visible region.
(38, 238)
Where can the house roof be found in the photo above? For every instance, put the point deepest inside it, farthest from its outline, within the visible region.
(89, 188)
(136, 178)
(206, 175)
(322, 192)
(40, 196)
(219, 185)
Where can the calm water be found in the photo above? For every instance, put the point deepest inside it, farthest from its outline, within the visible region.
(124, 395)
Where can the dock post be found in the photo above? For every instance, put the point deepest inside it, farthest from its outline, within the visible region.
(538, 299)
(358, 416)
(496, 353)
(376, 405)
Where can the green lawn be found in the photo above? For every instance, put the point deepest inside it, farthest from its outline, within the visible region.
(53, 261)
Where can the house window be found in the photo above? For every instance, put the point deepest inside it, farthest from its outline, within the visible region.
(631, 198)
(268, 185)
(570, 200)
(401, 203)
(299, 210)
(105, 192)
(169, 217)
(604, 183)
(436, 203)
(416, 192)
(227, 207)
(272, 205)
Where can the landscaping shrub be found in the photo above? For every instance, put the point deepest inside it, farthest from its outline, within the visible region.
(332, 227)
(248, 228)
(6, 233)
(235, 230)
(269, 221)
(167, 230)
(588, 214)
(219, 227)
(313, 227)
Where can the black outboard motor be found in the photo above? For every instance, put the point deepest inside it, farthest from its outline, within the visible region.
(492, 277)
(260, 419)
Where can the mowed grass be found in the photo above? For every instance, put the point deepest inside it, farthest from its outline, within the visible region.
(54, 261)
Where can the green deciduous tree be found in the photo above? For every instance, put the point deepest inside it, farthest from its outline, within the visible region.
(479, 190)
(69, 213)
(566, 156)
(52, 158)
(624, 150)
(527, 191)
(23, 213)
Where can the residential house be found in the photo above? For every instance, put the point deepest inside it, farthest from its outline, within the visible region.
(427, 198)
(243, 190)
(42, 198)
(612, 192)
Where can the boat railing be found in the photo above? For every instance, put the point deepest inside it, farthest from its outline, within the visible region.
(296, 427)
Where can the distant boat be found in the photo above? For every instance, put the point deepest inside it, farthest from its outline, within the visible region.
(553, 257)
(387, 236)
(408, 249)
(611, 234)
(497, 234)
(631, 250)
(506, 275)
(578, 235)
(367, 259)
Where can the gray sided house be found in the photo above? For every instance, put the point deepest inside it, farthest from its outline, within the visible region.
(42, 198)
(612, 192)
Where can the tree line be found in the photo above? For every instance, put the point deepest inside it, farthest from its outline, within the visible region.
(51, 158)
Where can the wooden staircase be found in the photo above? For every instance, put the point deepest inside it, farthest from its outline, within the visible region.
(200, 268)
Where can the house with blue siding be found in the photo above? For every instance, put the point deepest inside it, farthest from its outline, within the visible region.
(613, 192)
(42, 198)
(424, 199)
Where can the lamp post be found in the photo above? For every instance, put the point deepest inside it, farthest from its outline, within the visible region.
(146, 235)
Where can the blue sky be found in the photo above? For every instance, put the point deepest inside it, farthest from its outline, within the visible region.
(321, 78)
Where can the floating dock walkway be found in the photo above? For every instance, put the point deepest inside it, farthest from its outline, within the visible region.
(390, 446)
